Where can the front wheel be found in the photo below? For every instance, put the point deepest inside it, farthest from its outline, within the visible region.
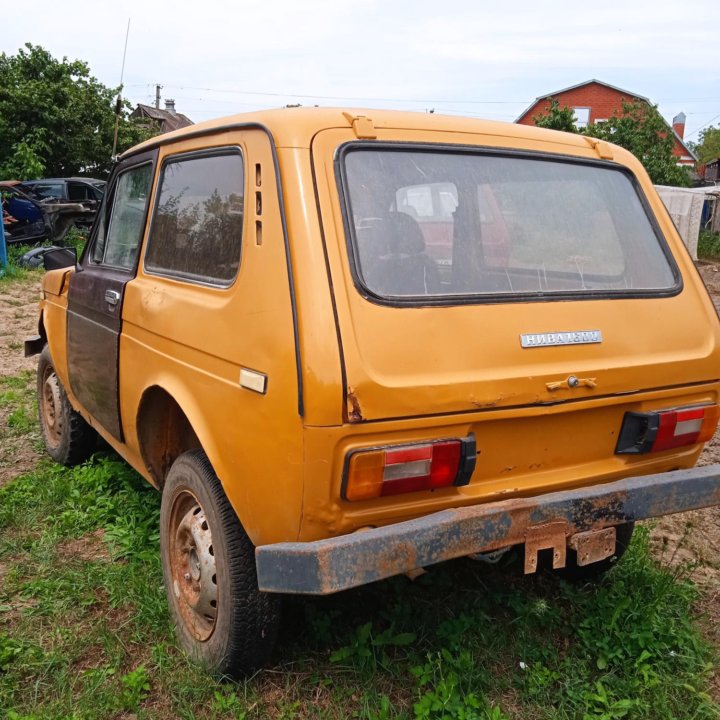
(223, 621)
(68, 439)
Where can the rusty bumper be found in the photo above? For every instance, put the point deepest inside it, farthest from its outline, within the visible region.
(327, 566)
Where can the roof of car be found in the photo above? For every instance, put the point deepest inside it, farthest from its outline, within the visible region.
(64, 179)
(296, 127)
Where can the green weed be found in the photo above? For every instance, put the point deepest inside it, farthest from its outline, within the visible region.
(229, 702)
(708, 244)
(10, 650)
(21, 420)
(135, 687)
(367, 651)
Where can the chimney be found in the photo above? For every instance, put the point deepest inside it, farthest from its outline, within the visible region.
(679, 124)
(170, 107)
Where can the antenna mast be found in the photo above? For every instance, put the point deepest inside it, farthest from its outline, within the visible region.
(118, 104)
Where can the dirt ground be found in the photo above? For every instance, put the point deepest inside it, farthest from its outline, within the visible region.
(18, 320)
(692, 537)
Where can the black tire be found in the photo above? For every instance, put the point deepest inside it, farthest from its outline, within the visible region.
(594, 571)
(223, 621)
(68, 439)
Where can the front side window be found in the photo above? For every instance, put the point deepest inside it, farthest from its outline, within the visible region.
(196, 232)
(447, 224)
(79, 192)
(119, 245)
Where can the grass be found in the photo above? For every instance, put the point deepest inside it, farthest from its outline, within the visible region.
(709, 244)
(85, 631)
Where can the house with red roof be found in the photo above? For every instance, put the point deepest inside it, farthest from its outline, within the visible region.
(595, 101)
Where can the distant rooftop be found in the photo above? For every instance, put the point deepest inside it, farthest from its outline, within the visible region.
(167, 119)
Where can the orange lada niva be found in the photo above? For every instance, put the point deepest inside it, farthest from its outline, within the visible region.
(346, 345)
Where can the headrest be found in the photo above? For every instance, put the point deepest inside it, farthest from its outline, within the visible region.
(407, 237)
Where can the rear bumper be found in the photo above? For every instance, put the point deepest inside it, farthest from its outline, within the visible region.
(327, 566)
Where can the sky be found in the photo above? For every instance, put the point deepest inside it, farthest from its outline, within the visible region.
(482, 59)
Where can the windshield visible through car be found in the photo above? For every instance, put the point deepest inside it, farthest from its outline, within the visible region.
(444, 224)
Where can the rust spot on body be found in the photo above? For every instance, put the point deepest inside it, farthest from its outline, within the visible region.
(355, 412)
(486, 404)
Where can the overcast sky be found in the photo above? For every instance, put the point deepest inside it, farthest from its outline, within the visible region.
(480, 58)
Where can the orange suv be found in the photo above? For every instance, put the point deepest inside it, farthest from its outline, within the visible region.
(345, 345)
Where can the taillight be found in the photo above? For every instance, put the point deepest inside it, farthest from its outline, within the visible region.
(666, 429)
(400, 469)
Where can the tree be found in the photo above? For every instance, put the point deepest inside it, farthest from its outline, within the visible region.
(557, 118)
(641, 129)
(708, 148)
(56, 119)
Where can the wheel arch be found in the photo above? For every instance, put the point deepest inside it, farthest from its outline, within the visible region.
(169, 423)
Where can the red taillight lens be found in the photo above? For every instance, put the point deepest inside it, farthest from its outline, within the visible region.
(409, 468)
(445, 464)
(667, 429)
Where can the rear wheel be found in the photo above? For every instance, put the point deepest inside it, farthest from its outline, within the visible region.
(68, 439)
(594, 571)
(223, 620)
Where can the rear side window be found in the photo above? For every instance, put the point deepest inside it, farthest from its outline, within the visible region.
(450, 224)
(196, 232)
(46, 191)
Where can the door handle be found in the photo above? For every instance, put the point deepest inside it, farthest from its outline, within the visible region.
(112, 297)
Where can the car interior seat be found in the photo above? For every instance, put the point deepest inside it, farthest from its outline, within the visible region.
(393, 259)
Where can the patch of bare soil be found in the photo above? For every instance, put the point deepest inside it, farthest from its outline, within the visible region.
(17, 456)
(18, 320)
(87, 548)
(693, 539)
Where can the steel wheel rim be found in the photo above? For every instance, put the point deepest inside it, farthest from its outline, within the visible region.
(192, 566)
(51, 408)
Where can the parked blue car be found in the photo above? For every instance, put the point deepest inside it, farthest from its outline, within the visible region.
(24, 219)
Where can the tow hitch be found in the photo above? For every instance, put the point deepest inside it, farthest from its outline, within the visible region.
(591, 546)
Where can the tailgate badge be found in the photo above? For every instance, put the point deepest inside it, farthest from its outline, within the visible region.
(574, 337)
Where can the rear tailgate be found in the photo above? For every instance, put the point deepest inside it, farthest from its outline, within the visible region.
(434, 355)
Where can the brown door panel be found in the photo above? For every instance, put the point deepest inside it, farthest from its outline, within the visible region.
(94, 323)
(95, 297)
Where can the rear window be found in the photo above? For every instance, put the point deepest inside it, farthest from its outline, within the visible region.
(452, 224)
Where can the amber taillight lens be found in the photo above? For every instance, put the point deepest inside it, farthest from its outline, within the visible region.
(393, 470)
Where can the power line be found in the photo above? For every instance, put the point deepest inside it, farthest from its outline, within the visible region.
(421, 101)
(702, 127)
(381, 99)
(342, 97)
